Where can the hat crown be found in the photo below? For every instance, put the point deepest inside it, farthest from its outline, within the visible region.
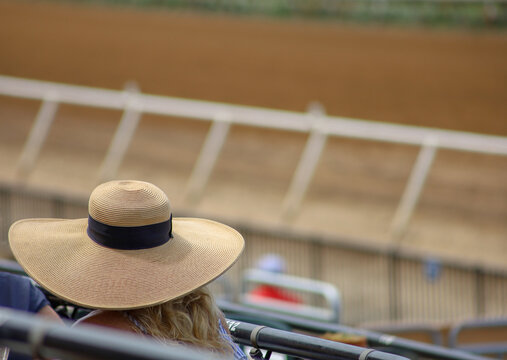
(129, 203)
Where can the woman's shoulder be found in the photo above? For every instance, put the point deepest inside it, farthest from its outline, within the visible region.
(106, 318)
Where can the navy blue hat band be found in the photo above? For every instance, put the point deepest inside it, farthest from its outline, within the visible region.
(130, 237)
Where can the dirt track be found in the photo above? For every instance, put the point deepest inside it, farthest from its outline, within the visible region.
(436, 78)
(447, 79)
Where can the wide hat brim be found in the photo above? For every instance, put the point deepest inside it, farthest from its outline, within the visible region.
(59, 255)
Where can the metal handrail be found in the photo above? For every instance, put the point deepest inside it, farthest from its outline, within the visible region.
(253, 116)
(305, 346)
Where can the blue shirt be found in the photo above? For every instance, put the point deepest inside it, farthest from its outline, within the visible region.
(19, 292)
(237, 352)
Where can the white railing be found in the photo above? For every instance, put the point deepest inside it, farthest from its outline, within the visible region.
(315, 122)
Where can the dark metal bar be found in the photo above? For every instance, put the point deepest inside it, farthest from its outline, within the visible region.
(305, 346)
(27, 334)
(373, 338)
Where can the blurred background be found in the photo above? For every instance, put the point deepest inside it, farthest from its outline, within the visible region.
(364, 141)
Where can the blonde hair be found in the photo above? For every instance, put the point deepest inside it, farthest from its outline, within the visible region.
(192, 319)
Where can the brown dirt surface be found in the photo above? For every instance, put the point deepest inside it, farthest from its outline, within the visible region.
(447, 79)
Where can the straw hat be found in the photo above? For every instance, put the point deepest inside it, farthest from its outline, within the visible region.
(129, 253)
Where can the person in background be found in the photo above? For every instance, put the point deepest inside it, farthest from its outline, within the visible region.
(142, 270)
(18, 292)
(275, 264)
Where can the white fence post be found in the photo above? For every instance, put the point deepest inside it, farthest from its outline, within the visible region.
(123, 135)
(207, 157)
(38, 135)
(414, 188)
(308, 162)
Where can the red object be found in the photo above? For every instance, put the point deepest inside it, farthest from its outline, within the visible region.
(272, 292)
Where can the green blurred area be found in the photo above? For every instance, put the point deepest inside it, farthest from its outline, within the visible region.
(455, 13)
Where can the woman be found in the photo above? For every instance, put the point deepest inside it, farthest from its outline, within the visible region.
(141, 268)
(191, 319)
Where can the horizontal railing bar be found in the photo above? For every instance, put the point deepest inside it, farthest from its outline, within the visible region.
(243, 115)
(253, 116)
(153, 104)
(70, 94)
(414, 135)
